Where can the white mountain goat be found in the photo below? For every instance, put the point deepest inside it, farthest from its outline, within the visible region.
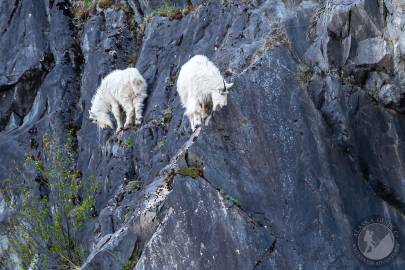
(124, 89)
(201, 87)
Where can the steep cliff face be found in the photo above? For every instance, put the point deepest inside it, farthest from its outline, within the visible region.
(310, 144)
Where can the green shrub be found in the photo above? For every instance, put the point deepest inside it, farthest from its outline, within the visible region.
(81, 10)
(44, 223)
(171, 11)
(104, 4)
(130, 265)
(245, 121)
(133, 185)
(235, 201)
(230, 198)
(192, 171)
(167, 115)
(127, 144)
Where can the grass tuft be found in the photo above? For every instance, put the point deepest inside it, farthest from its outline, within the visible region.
(134, 185)
(192, 171)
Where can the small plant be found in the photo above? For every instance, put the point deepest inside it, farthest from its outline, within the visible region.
(192, 171)
(230, 198)
(133, 185)
(304, 74)
(166, 10)
(245, 121)
(171, 11)
(127, 144)
(87, 3)
(81, 11)
(104, 4)
(131, 263)
(167, 115)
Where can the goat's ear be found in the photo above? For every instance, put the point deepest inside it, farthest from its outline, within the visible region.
(228, 86)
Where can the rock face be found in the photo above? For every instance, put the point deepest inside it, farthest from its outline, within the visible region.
(308, 147)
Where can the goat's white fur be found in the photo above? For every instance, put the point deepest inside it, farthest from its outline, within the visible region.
(200, 85)
(124, 89)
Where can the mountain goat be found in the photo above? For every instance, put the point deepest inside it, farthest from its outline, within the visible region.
(124, 89)
(201, 88)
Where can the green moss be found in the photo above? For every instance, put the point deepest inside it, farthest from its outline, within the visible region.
(236, 202)
(166, 10)
(167, 115)
(133, 185)
(127, 144)
(131, 264)
(171, 11)
(245, 121)
(192, 171)
(39, 166)
(230, 198)
(87, 3)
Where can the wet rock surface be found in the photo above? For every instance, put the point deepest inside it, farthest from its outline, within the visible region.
(310, 144)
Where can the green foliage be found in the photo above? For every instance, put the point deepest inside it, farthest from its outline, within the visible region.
(245, 121)
(127, 144)
(166, 10)
(104, 3)
(133, 260)
(45, 221)
(131, 264)
(192, 171)
(87, 3)
(81, 10)
(167, 115)
(162, 143)
(171, 11)
(133, 185)
(232, 199)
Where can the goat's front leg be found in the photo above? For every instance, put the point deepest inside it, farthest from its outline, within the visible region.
(129, 113)
(115, 108)
(138, 105)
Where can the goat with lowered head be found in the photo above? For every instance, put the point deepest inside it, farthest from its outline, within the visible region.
(121, 89)
(201, 88)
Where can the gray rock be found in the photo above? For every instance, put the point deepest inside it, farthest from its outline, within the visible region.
(388, 95)
(371, 51)
(13, 123)
(309, 145)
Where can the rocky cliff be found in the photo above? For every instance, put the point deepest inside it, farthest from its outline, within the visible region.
(308, 147)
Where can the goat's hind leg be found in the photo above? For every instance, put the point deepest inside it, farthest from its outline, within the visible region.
(116, 110)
